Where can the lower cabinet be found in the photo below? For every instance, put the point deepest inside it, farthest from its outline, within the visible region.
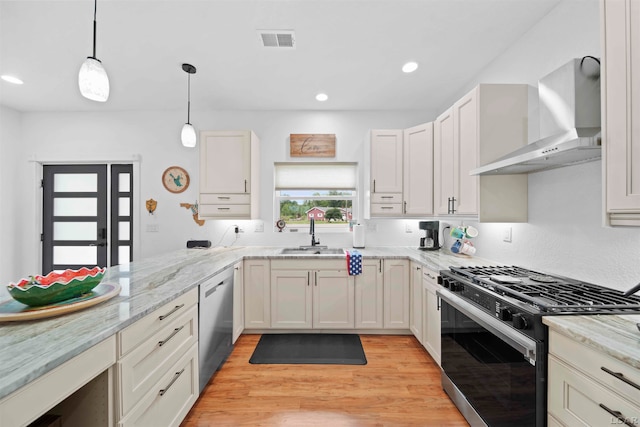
(257, 293)
(593, 389)
(396, 293)
(316, 294)
(432, 325)
(369, 296)
(416, 306)
(170, 400)
(238, 301)
(157, 368)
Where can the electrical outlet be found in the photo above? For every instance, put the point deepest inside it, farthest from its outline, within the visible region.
(407, 228)
(506, 234)
(259, 227)
(153, 228)
(372, 227)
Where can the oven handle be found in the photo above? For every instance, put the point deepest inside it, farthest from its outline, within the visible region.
(526, 346)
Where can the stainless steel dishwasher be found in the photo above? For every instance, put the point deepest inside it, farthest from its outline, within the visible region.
(215, 323)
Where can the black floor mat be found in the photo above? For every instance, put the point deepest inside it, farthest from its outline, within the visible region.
(328, 349)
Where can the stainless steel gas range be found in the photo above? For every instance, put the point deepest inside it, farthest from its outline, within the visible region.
(494, 344)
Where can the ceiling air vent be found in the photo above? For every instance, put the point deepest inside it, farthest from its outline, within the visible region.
(277, 38)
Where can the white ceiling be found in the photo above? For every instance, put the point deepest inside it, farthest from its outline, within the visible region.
(351, 49)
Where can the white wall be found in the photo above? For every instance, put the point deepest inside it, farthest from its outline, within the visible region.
(154, 138)
(564, 234)
(10, 202)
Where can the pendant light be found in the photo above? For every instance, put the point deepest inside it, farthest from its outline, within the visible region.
(188, 135)
(92, 78)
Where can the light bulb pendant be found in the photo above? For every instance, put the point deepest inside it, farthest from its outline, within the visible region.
(93, 81)
(92, 78)
(188, 135)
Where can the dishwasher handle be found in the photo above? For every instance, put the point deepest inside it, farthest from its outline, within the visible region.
(208, 292)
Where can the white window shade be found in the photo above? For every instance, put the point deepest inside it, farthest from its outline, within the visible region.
(325, 176)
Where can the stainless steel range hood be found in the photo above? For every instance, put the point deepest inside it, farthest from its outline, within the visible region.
(569, 123)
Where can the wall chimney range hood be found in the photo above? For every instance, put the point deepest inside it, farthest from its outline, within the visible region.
(569, 122)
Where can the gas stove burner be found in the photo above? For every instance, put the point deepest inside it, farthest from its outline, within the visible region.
(543, 278)
(501, 278)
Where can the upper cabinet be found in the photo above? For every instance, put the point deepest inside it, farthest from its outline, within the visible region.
(620, 105)
(401, 174)
(487, 123)
(229, 174)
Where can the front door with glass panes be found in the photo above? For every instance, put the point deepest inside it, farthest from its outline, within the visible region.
(76, 229)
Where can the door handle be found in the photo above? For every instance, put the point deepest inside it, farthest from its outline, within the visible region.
(98, 244)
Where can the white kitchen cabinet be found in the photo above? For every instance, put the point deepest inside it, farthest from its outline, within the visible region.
(369, 295)
(149, 351)
(416, 303)
(257, 293)
(620, 27)
(170, 401)
(82, 389)
(418, 170)
(487, 123)
(401, 174)
(229, 175)
(291, 299)
(238, 301)
(396, 293)
(312, 294)
(431, 317)
(591, 390)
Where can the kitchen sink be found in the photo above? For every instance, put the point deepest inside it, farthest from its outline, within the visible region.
(312, 250)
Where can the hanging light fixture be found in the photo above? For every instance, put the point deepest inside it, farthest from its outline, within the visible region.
(188, 135)
(92, 78)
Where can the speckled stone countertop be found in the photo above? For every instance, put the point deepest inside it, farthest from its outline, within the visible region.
(29, 349)
(615, 335)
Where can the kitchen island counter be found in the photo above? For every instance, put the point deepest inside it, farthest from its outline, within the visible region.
(29, 349)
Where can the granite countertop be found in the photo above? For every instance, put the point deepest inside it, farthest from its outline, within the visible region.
(29, 349)
(614, 335)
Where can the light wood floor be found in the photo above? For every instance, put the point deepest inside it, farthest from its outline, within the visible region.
(399, 386)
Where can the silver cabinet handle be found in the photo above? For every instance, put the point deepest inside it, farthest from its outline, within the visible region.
(245, 185)
(380, 266)
(224, 197)
(223, 209)
(405, 207)
(173, 380)
(374, 185)
(308, 278)
(621, 377)
(173, 334)
(176, 308)
(386, 197)
(618, 415)
(315, 278)
(386, 207)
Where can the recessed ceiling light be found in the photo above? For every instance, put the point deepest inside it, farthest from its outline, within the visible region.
(322, 97)
(11, 79)
(410, 67)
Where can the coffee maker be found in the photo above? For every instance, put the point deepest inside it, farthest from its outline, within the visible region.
(430, 241)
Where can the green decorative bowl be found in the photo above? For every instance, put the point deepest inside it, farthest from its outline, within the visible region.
(56, 286)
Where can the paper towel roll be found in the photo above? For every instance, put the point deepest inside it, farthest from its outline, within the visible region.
(358, 236)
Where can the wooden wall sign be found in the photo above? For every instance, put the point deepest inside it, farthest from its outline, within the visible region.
(312, 144)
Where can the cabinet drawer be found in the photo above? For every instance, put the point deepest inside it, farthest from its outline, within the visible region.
(134, 334)
(386, 209)
(171, 398)
(596, 364)
(225, 199)
(311, 264)
(386, 198)
(145, 365)
(224, 211)
(575, 399)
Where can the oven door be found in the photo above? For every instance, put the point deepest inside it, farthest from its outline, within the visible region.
(490, 370)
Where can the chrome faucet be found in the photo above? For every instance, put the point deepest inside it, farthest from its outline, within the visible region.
(312, 231)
